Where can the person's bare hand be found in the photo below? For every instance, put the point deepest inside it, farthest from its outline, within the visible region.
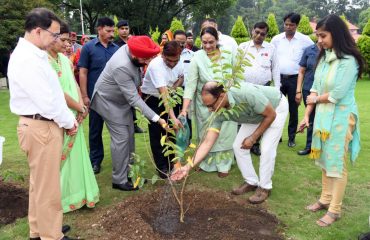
(180, 173)
(298, 98)
(86, 101)
(247, 143)
(73, 130)
(303, 124)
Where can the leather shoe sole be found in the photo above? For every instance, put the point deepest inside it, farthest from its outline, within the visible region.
(304, 152)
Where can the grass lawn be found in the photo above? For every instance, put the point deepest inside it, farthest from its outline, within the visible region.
(297, 182)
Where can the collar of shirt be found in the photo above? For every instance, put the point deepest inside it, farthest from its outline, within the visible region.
(263, 45)
(33, 48)
(96, 41)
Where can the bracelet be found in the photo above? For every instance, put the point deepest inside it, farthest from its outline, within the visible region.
(298, 92)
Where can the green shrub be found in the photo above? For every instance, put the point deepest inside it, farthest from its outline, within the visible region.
(304, 26)
(273, 27)
(239, 32)
(363, 44)
(154, 34)
(198, 42)
(176, 24)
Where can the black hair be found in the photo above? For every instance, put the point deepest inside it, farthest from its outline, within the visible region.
(261, 25)
(171, 49)
(209, 30)
(105, 21)
(189, 34)
(64, 28)
(213, 88)
(179, 32)
(40, 17)
(294, 17)
(212, 20)
(343, 42)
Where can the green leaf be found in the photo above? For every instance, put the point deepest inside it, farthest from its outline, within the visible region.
(154, 179)
(163, 140)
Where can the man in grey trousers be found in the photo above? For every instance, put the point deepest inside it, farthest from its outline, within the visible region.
(115, 93)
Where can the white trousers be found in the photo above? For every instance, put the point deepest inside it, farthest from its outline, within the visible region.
(269, 143)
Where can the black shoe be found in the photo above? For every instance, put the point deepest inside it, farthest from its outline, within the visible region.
(256, 150)
(37, 238)
(281, 140)
(291, 143)
(138, 129)
(130, 180)
(65, 229)
(304, 152)
(124, 187)
(96, 169)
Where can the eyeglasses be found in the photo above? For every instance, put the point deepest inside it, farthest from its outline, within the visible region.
(262, 34)
(212, 105)
(55, 35)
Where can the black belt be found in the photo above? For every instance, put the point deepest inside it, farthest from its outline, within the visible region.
(285, 76)
(37, 117)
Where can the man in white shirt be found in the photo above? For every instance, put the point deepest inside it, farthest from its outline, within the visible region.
(223, 40)
(290, 46)
(36, 96)
(163, 72)
(265, 66)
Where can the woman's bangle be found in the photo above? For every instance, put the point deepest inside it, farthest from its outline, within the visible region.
(298, 92)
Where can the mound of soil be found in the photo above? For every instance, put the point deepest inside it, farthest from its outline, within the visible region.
(211, 215)
(13, 203)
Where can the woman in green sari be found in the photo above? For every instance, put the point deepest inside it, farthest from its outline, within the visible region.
(78, 183)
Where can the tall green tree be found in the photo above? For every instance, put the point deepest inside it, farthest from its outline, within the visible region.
(239, 31)
(273, 27)
(12, 14)
(304, 26)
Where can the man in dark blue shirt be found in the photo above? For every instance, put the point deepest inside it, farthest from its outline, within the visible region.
(94, 55)
(306, 76)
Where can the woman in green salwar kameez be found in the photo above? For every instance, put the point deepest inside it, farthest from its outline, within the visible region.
(200, 72)
(78, 183)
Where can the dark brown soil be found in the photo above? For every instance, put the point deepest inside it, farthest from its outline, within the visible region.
(211, 215)
(13, 203)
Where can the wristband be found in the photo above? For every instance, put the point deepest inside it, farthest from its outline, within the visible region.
(298, 92)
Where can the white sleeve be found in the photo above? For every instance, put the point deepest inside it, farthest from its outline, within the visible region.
(157, 75)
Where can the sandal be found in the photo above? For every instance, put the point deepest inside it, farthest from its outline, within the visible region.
(325, 223)
(317, 206)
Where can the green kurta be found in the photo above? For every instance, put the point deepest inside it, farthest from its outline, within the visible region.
(200, 72)
(78, 183)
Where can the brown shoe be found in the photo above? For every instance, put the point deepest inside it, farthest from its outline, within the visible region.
(244, 188)
(259, 196)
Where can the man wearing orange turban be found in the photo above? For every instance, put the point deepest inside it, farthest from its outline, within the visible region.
(114, 94)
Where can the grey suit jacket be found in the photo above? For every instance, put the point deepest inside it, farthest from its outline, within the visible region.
(116, 90)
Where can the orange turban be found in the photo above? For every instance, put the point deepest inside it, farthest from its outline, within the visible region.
(142, 47)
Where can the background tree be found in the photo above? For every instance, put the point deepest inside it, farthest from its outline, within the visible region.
(176, 24)
(304, 26)
(363, 44)
(239, 31)
(363, 18)
(273, 27)
(155, 35)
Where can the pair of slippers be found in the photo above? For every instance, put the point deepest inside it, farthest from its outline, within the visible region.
(328, 219)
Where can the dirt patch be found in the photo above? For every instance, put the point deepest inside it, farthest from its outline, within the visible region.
(212, 215)
(13, 203)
